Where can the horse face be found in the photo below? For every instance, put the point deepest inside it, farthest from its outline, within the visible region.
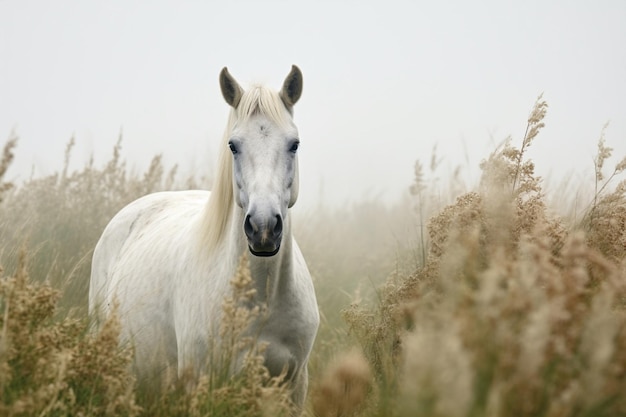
(264, 145)
(265, 179)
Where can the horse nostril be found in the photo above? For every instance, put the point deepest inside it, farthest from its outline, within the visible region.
(278, 227)
(248, 228)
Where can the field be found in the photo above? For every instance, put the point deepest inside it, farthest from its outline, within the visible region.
(492, 301)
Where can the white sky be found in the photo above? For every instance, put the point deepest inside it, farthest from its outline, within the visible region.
(384, 82)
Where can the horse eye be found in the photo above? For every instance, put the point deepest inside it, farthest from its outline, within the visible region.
(233, 148)
(294, 147)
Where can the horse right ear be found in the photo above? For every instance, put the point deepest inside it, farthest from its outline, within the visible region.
(231, 90)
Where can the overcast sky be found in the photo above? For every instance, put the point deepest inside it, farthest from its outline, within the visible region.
(384, 82)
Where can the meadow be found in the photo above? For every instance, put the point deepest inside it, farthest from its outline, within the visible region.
(491, 300)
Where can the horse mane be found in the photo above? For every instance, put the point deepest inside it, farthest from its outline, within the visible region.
(218, 212)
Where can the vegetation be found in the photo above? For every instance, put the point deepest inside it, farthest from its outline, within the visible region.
(478, 304)
(514, 312)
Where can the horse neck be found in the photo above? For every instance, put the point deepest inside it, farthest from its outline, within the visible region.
(272, 276)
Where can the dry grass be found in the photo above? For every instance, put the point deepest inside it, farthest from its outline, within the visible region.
(60, 217)
(46, 364)
(343, 388)
(5, 162)
(218, 392)
(55, 367)
(492, 304)
(514, 312)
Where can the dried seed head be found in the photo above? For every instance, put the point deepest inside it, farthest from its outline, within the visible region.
(344, 386)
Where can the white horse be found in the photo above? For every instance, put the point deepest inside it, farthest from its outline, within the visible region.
(167, 259)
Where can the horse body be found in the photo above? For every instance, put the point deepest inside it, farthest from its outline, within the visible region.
(168, 258)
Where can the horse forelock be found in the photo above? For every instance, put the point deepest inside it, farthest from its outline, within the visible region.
(256, 100)
(262, 100)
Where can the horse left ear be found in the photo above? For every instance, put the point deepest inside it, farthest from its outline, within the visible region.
(292, 87)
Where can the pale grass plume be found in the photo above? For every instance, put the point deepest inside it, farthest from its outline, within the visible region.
(535, 271)
(236, 381)
(435, 374)
(418, 179)
(604, 219)
(535, 124)
(344, 386)
(5, 162)
(621, 165)
(417, 190)
(597, 345)
(237, 314)
(66, 158)
(604, 153)
(535, 121)
(428, 197)
(54, 367)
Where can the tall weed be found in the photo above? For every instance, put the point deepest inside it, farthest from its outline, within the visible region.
(60, 217)
(513, 313)
(56, 368)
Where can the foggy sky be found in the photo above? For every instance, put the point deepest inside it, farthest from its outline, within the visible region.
(384, 82)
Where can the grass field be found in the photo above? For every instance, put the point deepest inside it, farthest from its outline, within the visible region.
(494, 303)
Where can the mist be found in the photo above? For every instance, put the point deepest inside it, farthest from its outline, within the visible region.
(385, 83)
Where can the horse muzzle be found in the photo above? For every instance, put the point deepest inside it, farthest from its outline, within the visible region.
(264, 234)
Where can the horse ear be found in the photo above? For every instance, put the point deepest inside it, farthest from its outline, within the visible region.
(231, 90)
(292, 87)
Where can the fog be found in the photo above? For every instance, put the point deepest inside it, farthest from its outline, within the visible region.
(384, 83)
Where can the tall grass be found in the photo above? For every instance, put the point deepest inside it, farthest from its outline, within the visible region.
(515, 311)
(50, 367)
(481, 303)
(60, 217)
